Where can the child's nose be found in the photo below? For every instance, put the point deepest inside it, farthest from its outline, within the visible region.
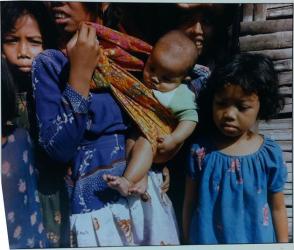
(230, 113)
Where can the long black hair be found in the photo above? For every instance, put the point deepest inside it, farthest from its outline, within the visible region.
(8, 98)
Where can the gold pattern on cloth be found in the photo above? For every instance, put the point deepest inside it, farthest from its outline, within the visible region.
(151, 117)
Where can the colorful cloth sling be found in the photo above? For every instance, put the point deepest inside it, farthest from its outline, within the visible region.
(151, 117)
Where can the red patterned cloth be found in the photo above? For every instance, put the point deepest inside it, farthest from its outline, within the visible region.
(152, 118)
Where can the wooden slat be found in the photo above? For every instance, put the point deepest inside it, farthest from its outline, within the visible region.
(248, 12)
(284, 134)
(277, 40)
(277, 5)
(280, 12)
(275, 54)
(290, 212)
(276, 124)
(288, 108)
(286, 145)
(263, 27)
(285, 77)
(259, 12)
(283, 65)
(286, 90)
(288, 200)
(288, 186)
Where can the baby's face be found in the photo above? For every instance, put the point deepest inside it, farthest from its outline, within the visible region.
(161, 73)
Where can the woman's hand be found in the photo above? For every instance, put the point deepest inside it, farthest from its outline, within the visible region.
(83, 51)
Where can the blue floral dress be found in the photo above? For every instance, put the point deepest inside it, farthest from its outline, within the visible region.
(21, 201)
(232, 204)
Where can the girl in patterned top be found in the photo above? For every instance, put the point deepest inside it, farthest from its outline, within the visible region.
(22, 206)
(234, 188)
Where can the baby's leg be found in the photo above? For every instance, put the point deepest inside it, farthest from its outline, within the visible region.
(141, 159)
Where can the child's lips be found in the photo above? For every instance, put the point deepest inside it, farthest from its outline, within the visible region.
(24, 68)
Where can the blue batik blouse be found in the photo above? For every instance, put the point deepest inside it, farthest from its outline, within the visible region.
(86, 134)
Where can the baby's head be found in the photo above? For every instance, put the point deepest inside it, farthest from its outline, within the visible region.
(247, 85)
(171, 59)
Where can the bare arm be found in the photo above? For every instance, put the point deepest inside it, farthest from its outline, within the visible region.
(189, 202)
(183, 131)
(168, 146)
(279, 216)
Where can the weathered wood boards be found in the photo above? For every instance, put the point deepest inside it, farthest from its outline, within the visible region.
(268, 29)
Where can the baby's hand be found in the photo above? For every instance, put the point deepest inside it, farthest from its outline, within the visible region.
(166, 180)
(121, 184)
(166, 144)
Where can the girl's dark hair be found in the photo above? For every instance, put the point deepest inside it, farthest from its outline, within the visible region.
(8, 97)
(255, 73)
(12, 10)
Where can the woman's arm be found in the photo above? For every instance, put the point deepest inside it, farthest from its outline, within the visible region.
(279, 215)
(62, 109)
(189, 203)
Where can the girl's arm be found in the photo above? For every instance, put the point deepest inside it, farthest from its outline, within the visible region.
(189, 203)
(279, 216)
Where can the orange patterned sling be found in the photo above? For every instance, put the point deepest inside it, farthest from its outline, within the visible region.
(151, 117)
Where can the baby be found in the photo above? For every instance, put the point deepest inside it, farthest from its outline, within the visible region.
(172, 57)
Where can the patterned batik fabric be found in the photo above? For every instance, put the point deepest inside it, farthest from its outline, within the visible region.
(151, 117)
(232, 205)
(21, 200)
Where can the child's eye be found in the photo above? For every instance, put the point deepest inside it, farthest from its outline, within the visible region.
(10, 40)
(35, 41)
(243, 107)
(220, 103)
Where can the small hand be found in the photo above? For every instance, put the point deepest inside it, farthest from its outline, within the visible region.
(166, 180)
(166, 144)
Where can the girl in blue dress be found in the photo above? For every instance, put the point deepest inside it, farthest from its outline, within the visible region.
(22, 206)
(234, 186)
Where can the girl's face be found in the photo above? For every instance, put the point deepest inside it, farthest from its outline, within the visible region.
(68, 15)
(198, 25)
(23, 43)
(234, 111)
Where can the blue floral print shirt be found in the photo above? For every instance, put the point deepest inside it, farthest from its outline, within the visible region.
(232, 204)
(21, 200)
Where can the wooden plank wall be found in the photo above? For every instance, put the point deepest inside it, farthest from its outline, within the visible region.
(267, 29)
